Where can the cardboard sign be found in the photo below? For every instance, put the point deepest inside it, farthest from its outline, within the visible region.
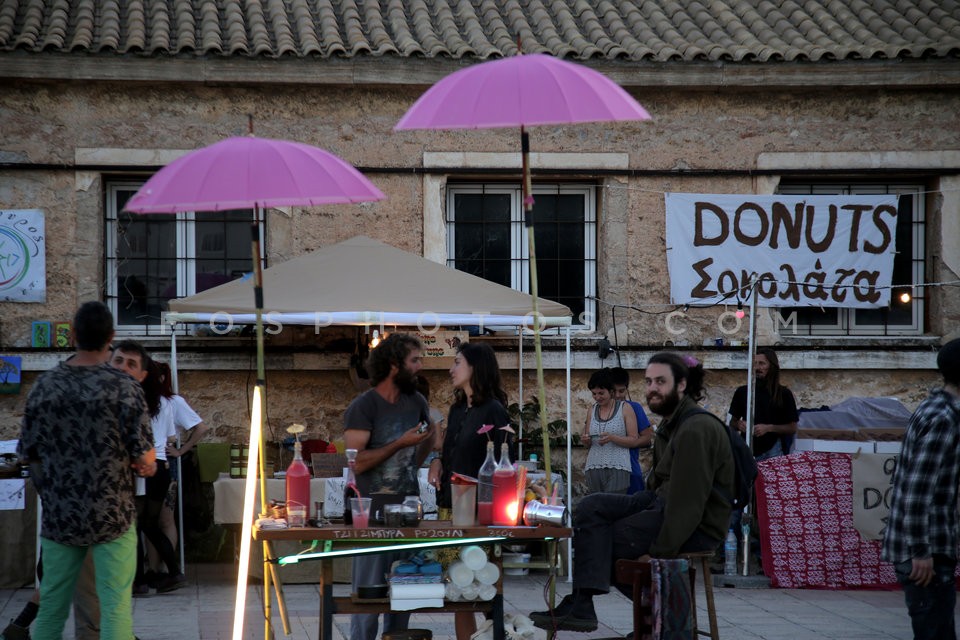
(872, 476)
(441, 344)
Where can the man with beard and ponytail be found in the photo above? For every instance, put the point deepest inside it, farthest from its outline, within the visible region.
(684, 508)
(382, 425)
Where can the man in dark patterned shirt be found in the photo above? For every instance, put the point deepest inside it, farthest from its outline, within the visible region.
(84, 427)
(921, 537)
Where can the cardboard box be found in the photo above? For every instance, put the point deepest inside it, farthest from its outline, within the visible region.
(843, 446)
(328, 465)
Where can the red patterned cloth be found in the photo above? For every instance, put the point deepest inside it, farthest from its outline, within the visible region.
(805, 512)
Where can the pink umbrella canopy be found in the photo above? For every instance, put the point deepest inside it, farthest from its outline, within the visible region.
(248, 172)
(523, 90)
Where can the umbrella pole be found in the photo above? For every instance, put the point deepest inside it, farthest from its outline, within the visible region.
(528, 222)
(257, 444)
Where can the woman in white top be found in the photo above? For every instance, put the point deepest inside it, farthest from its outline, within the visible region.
(187, 429)
(610, 431)
(148, 517)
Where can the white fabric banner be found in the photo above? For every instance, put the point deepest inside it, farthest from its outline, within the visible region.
(820, 251)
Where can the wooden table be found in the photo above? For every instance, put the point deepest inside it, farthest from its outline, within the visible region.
(346, 539)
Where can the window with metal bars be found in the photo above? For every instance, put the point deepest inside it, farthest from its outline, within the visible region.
(905, 315)
(153, 258)
(486, 237)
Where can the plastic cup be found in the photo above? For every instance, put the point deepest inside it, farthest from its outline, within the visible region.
(474, 557)
(464, 499)
(360, 509)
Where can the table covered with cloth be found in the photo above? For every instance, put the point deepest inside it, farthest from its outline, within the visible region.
(807, 538)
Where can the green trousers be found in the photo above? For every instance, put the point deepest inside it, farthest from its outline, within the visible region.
(115, 563)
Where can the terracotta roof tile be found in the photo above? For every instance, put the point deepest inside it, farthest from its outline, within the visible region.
(638, 30)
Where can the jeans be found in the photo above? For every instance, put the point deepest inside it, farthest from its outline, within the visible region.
(115, 564)
(611, 526)
(931, 607)
(368, 570)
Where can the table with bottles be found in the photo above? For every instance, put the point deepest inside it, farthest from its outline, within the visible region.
(345, 540)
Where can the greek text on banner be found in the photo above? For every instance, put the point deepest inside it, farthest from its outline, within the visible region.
(823, 250)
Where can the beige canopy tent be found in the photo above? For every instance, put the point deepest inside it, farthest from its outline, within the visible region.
(363, 282)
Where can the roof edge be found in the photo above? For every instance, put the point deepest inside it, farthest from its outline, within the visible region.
(388, 71)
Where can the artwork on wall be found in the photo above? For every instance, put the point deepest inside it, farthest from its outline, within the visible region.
(62, 335)
(40, 334)
(23, 269)
(10, 367)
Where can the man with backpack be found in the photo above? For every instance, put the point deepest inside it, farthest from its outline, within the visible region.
(685, 508)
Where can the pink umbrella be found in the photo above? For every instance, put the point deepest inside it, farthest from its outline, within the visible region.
(521, 91)
(249, 173)
(253, 173)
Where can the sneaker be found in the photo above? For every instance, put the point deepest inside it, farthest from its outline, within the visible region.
(15, 632)
(172, 583)
(140, 590)
(572, 614)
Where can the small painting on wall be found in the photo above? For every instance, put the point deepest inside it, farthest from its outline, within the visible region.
(61, 335)
(40, 334)
(10, 367)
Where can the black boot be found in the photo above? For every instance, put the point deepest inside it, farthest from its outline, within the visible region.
(574, 613)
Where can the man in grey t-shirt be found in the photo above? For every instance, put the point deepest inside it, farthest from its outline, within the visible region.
(382, 425)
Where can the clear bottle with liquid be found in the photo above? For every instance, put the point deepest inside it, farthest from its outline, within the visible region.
(730, 554)
(505, 501)
(298, 489)
(350, 489)
(485, 488)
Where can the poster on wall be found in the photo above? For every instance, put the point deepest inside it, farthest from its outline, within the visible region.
(811, 250)
(23, 269)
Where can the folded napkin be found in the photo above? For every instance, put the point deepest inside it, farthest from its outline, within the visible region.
(404, 597)
(266, 524)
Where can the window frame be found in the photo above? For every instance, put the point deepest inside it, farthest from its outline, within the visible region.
(846, 323)
(185, 258)
(519, 245)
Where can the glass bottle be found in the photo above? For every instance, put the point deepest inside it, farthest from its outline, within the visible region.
(298, 489)
(485, 488)
(350, 489)
(505, 502)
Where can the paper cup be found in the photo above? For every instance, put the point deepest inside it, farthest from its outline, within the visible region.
(474, 557)
(487, 574)
(460, 574)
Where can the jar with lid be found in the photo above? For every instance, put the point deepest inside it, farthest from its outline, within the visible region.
(412, 511)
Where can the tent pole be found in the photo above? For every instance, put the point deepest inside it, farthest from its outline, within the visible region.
(175, 384)
(751, 350)
(520, 392)
(569, 460)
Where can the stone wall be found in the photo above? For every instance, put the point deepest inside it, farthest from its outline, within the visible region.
(62, 140)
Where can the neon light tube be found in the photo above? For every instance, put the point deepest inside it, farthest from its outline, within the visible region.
(294, 559)
(249, 495)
